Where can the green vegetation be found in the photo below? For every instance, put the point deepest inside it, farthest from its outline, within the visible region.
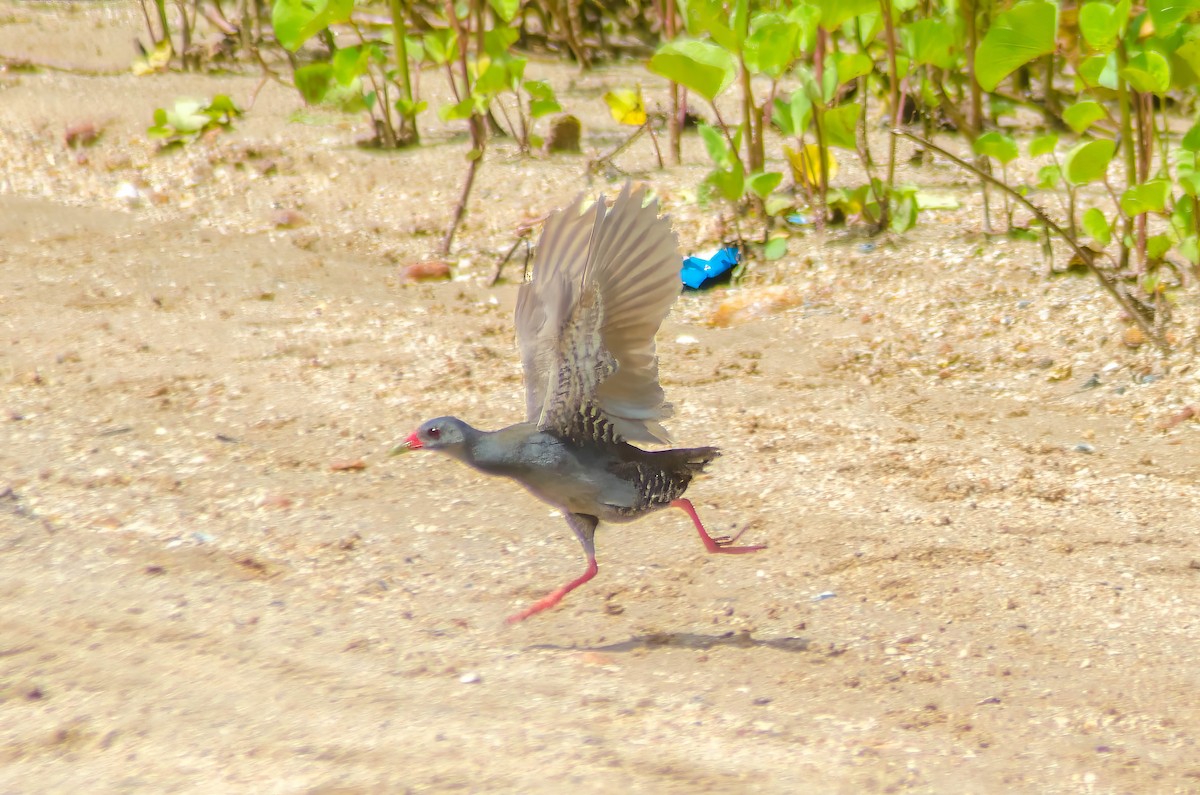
(790, 86)
(190, 118)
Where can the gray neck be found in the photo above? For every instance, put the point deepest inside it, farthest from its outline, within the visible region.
(501, 452)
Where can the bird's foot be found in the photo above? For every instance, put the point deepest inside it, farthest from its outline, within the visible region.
(545, 603)
(555, 596)
(725, 544)
(721, 545)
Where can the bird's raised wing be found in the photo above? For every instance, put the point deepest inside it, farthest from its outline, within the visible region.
(603, 280)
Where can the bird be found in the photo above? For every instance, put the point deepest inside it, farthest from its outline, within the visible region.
(603, 280)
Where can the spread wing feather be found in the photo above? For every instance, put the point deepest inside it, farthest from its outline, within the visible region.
(603, 280)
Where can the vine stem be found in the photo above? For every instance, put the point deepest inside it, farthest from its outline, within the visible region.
(1085, 256)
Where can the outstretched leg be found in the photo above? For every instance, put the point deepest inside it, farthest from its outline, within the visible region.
(585, 530)
(722, 544)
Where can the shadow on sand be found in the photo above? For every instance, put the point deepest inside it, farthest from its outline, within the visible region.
(687, 640)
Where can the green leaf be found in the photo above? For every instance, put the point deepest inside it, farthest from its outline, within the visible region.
(187, 116)
(1149, 197)
(441, 46)
(851, 66)
(793, 117)
(312, 82)
(542, 101)
(700, 65)
(818, 93)
(1100, 23)
(222, 108)
(497, 41)
(1157, 246)
(1186, 69)
(543, 107)
(904, 214)
(776, 248)
(1023, 33)
(538, 89)
(771, 46)
(1088, 161)
(711, 17)
(492, 80)
(505, 9)
(415, 47)
(1096, 225)
(718, 148)
(296, 21)
(764, 182)
(1166, 14)
(1191, 139)
(807, 17)
(1043, 145)
(840, 124)
(1189, 249)
(730, 183)
(1049, 176)
(1084, 114)
(835, 12)
(930, 41)
(1100, 70)
(462, 110)
(1148, 72)
(997, 146)
(349, 64)
(410, 108)
(774, 205)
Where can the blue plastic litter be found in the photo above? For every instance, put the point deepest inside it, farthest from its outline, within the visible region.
(698, 270)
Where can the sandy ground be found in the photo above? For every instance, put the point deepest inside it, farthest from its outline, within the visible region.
(983, 571)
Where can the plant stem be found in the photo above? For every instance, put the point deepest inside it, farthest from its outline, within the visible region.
(475, 124)
(885, 7)
(1127, 144)
(675, 125)
(975, 117)
(161, 5)
(408, 118)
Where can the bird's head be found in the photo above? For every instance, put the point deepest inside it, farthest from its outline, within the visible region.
(444, 433)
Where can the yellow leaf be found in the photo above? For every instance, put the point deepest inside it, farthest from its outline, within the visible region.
(627, 106)
(157, 60)
(806, 164)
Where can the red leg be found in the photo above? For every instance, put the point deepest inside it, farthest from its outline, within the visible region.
(584, 527)
(721, 545)
(555, 596)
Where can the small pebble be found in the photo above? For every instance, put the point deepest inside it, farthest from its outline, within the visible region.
(1084, 447)
(470, 678)
(128, 193)
(823, 596)
(288, 219)
(429, 270)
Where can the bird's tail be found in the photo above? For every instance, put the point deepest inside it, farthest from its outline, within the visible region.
(689, 460)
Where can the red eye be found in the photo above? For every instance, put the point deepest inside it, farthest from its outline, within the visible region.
(434, 432)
